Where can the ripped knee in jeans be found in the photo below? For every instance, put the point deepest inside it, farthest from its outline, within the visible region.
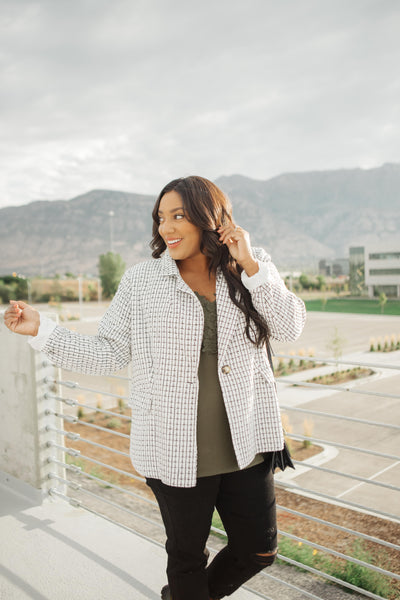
(264, 559)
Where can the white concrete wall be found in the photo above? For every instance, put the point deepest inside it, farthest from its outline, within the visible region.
(23, 419)
(385, 263)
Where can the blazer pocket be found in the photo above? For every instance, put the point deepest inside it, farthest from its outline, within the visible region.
(141, 399)
(264, 380)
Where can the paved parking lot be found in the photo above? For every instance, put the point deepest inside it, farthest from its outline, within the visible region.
(357, 329)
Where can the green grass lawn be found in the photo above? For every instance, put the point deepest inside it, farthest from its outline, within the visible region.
(355, 305)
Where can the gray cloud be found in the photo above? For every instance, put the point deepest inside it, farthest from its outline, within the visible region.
(129, 94)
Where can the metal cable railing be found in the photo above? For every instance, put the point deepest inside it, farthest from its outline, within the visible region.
(77, 486)
(326, 415)
(77, 503)
(285, 534)
(306, 438)
(363, 536)
(78, 437)
(331, 578)
(334, 361)
(78, 471)
(299, 437)
(349, 476)
(288, 486)
(336, 500)
(74, 403)
(75, 385)
(337, 388)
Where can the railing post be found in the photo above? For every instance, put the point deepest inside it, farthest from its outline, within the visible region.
(25, 411)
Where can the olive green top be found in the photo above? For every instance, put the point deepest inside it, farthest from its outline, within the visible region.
(215, 452)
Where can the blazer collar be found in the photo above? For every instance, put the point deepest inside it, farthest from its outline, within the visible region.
(169, 268)
(168, 265)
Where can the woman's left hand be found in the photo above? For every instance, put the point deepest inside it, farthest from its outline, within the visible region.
(238, 243)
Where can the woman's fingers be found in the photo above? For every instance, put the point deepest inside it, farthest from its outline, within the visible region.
(229, 233)
(12, 316)
(13, 312)
(19, 303)
(237, 241)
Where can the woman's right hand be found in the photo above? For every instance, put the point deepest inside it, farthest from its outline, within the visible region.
(22, 318)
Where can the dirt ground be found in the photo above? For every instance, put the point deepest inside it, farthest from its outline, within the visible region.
(324, 535)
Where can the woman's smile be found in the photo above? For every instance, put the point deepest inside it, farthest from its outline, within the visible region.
(173, 243)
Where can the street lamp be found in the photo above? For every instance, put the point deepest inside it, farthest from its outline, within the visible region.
(80, 295)
(111, 215)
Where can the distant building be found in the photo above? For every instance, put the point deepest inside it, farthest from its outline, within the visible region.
(334, 268)
(375, 268)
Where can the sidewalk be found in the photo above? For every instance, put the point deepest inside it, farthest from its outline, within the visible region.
(57, 552)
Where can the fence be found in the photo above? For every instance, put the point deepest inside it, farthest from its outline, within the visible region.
(82, 494)
(51, 463)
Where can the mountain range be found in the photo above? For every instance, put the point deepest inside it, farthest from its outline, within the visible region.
(299, 218)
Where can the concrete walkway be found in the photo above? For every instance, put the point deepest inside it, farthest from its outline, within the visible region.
(57, 552)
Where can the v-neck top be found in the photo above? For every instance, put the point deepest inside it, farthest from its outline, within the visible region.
(215, 452)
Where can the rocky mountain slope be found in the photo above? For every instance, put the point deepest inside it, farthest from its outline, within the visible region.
(298, 217)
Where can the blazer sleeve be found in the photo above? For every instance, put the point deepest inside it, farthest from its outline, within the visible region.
(101, 354)
(284, 312)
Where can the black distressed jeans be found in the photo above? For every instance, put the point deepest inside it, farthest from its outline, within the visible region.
(245, 501)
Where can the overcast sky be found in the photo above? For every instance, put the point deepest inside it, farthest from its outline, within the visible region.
(129, 94)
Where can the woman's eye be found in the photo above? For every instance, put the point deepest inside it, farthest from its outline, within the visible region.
(162, 219)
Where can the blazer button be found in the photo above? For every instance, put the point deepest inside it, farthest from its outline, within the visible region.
(226, 369)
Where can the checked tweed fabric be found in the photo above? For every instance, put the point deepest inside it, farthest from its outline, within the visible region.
(156, 321)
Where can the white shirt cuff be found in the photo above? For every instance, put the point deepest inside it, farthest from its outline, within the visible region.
(262, 276)
(46, 328)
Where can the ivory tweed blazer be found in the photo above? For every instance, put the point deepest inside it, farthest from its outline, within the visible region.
(156, 321)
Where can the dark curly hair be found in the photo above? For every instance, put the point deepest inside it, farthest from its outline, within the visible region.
(207, 207)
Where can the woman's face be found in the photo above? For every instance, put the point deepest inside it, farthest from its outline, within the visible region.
(181, 237)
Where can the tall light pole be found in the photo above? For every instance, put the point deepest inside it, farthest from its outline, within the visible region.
(111, 215)
(80, 296)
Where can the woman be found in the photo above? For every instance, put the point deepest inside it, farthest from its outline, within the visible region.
(195, 321)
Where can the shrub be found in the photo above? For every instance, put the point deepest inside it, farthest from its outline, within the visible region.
(386, 343)
(361, 576)
(5, 293)
(349, 572)
(308, 426)
(99, 403)
(301, 352)
(392, 342)
(113, 423)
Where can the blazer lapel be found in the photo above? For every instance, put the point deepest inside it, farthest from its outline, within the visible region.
(227, 315)
(170, 269)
